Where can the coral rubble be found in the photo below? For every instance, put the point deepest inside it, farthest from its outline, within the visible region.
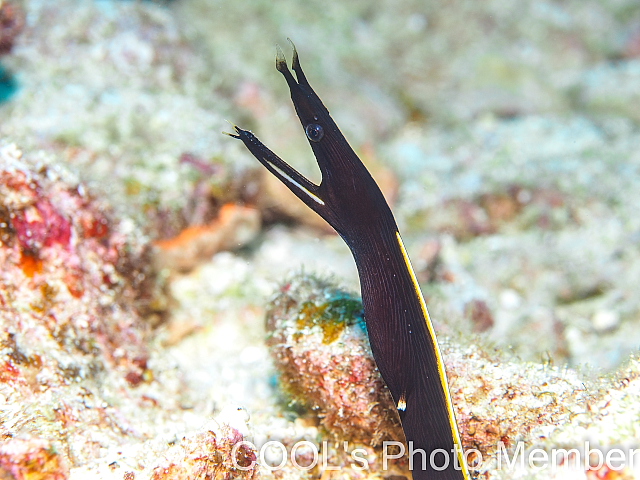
(72, 286)
(208, 454)
(318, 342)
(77, 294)
(508, 131)
(325, 364)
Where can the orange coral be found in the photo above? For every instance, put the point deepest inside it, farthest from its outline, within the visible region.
(234, 226)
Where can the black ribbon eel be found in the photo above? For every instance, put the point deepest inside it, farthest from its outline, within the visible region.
(402, 337)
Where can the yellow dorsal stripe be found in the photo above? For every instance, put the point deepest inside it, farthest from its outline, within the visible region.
(441, 369)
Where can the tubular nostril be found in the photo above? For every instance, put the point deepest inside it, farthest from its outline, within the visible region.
(314, 132)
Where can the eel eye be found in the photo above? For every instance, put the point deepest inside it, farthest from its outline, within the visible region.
(314, 132)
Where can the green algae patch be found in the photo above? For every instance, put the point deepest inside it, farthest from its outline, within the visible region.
(331, 317)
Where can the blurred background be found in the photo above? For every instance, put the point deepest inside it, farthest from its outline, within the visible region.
(505, 135)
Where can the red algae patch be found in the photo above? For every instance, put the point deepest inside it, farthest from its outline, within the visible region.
(73, 291)
(11, 23)
(69, 275)
(31, 459)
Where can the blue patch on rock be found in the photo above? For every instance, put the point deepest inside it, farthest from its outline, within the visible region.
(8, 84)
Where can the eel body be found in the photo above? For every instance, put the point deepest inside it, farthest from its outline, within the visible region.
(402, 337)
